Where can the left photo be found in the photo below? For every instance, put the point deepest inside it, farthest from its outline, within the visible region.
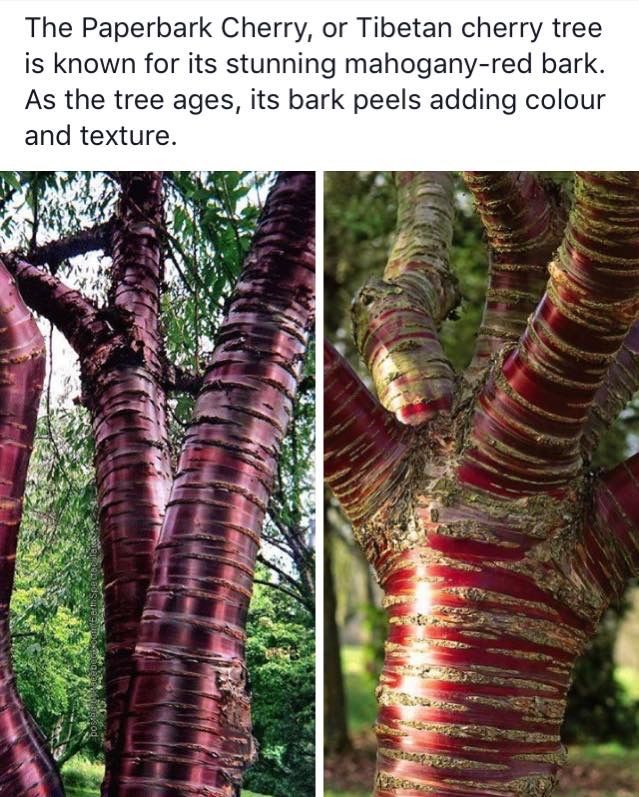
(157, 444)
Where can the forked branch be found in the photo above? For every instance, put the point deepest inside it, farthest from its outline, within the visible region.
(197, 601)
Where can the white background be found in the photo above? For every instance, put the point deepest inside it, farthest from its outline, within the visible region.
(338, 140)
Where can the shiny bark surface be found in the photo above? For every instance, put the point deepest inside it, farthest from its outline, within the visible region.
(187, 729)
(128, 413)
(183, 726)
(26, 766)
(497, 549)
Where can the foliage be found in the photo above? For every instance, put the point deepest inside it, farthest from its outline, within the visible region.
(56, 603)
(81, 774)
(281, 661)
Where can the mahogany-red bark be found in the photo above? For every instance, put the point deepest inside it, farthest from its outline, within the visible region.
(187, 728)
(26, 767)
(497, 549)
(128, 411)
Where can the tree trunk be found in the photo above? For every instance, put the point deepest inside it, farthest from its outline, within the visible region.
(187, 727)
(336, 738)
(124, 393)
(178, 718)
(26, 767)
(496, 548)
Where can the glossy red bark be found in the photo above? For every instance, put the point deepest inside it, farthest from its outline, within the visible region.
(497, 550)
(26, 767)
(187, 729)
(364, 446)
(127, 401)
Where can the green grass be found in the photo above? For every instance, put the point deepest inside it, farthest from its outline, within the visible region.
(82, 778)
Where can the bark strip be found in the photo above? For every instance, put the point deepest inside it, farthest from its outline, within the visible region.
(396, 318)
(26, 767)
(524, 224)
(530, 415)
(187, 729)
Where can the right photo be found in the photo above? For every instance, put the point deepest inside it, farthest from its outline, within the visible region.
(481, 422)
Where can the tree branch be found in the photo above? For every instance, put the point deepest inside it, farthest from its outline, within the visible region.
(26, 764)
(524, 222)
(364, 446)
(531, 413)
(612, 535)
(78, 243)
(129, 422)
(294, 590)
(137, 271)
(179, 380)
(69, 310)
(620, 385)
(294, 595)
(396, 318)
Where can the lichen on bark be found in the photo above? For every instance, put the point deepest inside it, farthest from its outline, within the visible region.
(497, 549)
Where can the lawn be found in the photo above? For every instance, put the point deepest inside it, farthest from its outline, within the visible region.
(593, 771)
(82, 778)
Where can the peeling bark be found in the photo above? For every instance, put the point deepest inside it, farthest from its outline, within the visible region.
(26, 767)
(531, 414)
(497, 550)
(128, 413)
(524, 222)
(187, 729)
(183, 724)
(396, 318)
(364, 447)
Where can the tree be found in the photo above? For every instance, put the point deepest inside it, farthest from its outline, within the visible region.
(496, 543)
(179, 538)
(336, 738)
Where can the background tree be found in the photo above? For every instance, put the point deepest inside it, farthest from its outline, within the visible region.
(127, 367)
(407, 279)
